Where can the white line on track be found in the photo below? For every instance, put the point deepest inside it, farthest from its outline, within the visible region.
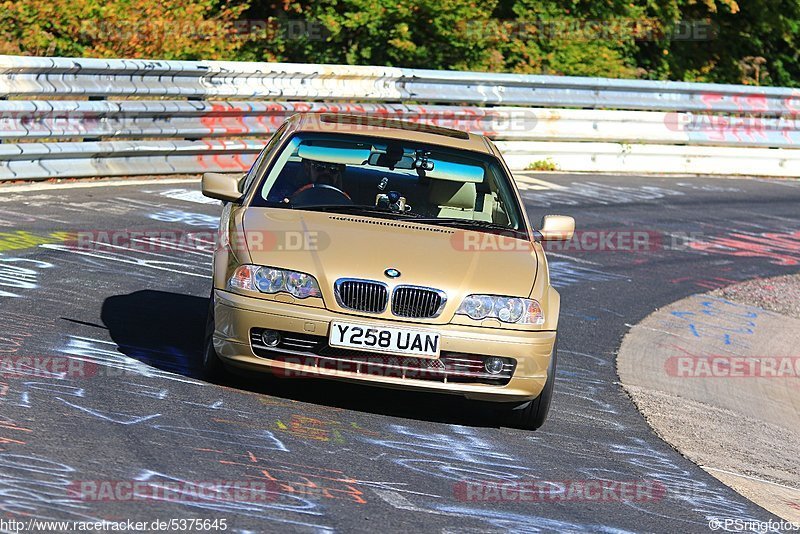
(734, 473)
(570, 258)
(48, 186)
(391, 486)
(180, 247)
(535, 183)
(129, 249)
(401, 503)
(116, 257)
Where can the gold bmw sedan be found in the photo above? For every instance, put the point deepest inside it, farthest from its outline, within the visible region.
(389, 253)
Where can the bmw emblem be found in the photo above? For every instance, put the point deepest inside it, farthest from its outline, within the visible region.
(392, 273)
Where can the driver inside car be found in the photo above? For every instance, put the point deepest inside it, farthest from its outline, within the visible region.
(311, 174)
(321, 173)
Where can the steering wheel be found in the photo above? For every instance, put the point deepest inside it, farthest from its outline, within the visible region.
(313, 194)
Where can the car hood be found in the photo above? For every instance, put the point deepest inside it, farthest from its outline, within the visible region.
(332, 246)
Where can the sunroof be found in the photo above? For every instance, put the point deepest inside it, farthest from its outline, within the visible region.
(379, 122)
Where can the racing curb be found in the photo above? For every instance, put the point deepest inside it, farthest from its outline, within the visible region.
(720, 382)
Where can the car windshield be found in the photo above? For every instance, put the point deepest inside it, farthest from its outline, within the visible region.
(380, 177)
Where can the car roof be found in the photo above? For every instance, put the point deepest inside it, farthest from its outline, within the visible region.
(389, 128)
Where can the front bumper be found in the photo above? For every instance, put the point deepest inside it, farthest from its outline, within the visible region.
(235, 316)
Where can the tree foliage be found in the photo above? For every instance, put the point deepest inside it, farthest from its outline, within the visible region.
(166, 29)
(733, 41)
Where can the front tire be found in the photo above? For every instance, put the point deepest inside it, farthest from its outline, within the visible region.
(211, 367)
(533, 414)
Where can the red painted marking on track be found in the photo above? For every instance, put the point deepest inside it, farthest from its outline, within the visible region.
(778, 248)
(298, 478)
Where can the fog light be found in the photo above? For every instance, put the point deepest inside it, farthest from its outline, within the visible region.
(494, 365)
(271, 338)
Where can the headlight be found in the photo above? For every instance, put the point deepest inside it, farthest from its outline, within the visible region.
(302, 285)
(272, 280)
(506, 309)
(477, 306)
(268, 280)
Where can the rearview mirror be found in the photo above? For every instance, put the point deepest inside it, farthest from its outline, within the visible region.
(380, 159)
(222, 186)
(557, 228)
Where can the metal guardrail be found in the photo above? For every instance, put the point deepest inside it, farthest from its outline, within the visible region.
(662, 159)
(172, 116)
(25, 161)
(134, 119)
(169, 118)
(36, 77)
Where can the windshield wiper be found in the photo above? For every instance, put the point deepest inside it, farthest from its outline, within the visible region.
(472, 224)
(359, 208)
(465, 222)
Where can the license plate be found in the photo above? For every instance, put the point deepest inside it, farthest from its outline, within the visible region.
(384, 339)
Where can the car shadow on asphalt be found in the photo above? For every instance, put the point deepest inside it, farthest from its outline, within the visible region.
(166, 330)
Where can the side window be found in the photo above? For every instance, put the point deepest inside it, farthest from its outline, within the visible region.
(255, 170)
(506, 204)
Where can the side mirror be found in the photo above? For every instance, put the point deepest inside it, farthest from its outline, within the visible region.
(222, 186)
(557, 228)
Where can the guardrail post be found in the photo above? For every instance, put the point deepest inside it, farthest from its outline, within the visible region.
(193, 99)
(94, 99)
(3, 98)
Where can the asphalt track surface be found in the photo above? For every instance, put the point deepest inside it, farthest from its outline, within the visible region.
(339, 456)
